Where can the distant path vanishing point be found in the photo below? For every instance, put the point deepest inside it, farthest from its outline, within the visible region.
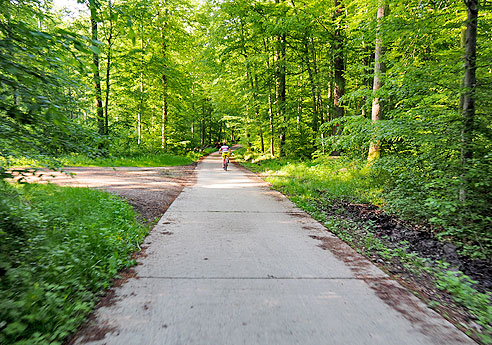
(232, 262)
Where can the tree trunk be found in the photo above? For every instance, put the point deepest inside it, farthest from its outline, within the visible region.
(314, 123)
(468, 98)
(95, 67)
(368, 78)
(281, 93)
(319, 101)
(270, 105)
(164, 90)
(299, 106)
(209, 126)
(140, 109)
(338, 63)
(202, 124)
(248, 136)
(379, 70)
(258, 116)
(108, 68)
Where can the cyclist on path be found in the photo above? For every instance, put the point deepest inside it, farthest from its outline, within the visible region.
(226, 152)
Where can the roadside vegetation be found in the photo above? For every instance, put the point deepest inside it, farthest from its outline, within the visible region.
(136, 160)
(150, 159)
(60, 248)
(330, 188)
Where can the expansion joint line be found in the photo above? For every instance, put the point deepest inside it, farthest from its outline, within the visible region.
(266, 278)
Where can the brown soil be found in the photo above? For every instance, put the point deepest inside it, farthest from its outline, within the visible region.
(149, 190)
(419, 238)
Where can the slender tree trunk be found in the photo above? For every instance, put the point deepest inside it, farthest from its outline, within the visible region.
(262, 140)
(379, 70)
(248, 136)
(140, 109)
(250, 81)
(164, 113)
(468, 98)
(95, 68)
(368, 78)
(106, 101)
(314, 124)
(270, 105)
(108, 68)
(280, 85)
(281, 93)
(329, 101)
(258, 115)
(338, 62)
(209, 126)
(299, 105)
(164, 89)
(319, 101)
(202, 124)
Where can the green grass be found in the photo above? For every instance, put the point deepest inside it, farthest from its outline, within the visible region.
(332, 178)
(60, 247)
(144, 160)
(135, 160)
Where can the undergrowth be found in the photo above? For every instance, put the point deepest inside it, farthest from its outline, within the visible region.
(60, 247)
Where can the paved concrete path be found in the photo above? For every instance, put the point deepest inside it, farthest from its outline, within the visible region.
(232, 262)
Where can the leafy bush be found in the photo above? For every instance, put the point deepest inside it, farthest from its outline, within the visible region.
(59, 247)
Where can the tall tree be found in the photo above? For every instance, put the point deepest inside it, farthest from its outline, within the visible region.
(163, 27)
(338, 59)
(379, 70)
(109, 47)
(280, 81)
(469, 84)
(93, 7)
(270, 102)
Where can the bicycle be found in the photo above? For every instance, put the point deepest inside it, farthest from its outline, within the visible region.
(225, 163)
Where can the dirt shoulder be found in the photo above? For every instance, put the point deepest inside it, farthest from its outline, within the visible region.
(149, 190)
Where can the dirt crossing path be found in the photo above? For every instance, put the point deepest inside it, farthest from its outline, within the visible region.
(149, 190)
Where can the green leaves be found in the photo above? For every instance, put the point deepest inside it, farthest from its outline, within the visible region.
(59, 248)
(95, 49)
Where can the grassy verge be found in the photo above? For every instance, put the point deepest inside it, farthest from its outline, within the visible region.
(60, 247)
(135, 160)
(337, 178)
(311, 184)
